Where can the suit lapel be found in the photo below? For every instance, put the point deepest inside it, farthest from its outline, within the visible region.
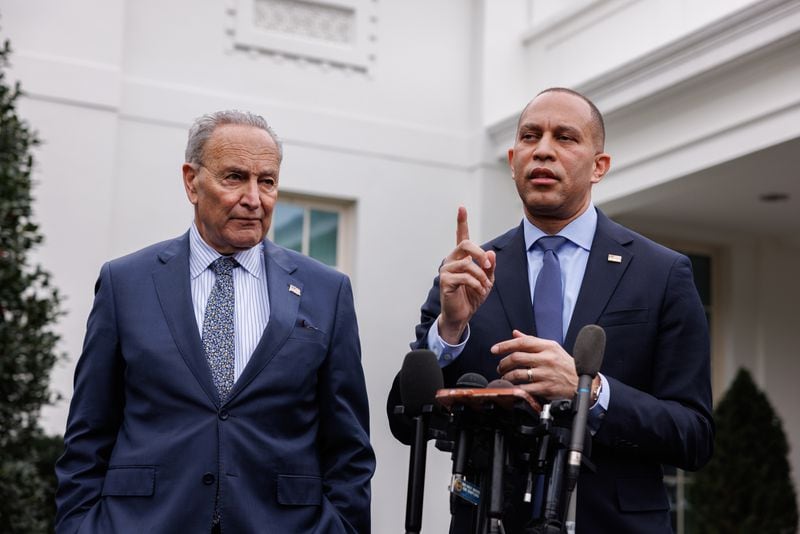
(511, 281)
(173, 287)
(283, 306)
(602, 275)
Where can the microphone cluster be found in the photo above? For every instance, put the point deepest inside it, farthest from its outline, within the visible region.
(496, 430)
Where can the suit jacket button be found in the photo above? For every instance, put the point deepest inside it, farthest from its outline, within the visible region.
(224, 415)
(208, 479)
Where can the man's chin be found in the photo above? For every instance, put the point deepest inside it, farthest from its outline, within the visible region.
(543, 203)
(245, 241)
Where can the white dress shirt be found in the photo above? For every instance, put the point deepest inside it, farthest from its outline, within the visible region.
(251, 298)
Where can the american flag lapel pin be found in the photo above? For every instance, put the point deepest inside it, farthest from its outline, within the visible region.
(294, 289)
(613, 258)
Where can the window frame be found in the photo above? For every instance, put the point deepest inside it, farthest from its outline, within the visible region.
(344, 231)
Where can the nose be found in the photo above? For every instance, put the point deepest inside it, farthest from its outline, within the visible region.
(544, 148)
(250, 195)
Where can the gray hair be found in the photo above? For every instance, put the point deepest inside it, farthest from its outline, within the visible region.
(204, 126)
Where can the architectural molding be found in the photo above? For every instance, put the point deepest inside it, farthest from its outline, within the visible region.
(67, 80)
(176, 105)
(617, 192)
(332, 34)
(718, 45)
(749, 30)
(104, 87)
(572, 20)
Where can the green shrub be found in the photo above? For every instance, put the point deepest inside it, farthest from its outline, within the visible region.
(29, 305)
(747, 486)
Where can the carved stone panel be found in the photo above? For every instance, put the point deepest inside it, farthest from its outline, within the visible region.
(330, 33)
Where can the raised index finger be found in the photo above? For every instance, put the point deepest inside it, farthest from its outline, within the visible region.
(462, 228)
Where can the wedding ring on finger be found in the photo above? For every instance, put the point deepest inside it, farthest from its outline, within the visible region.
(530, 374)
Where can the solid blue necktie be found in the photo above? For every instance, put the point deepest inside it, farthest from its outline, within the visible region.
(548, 308)
(548, 299)
(218, 334)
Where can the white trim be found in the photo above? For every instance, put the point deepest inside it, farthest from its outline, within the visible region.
(572, 20)
(104, 87)
(357, 54)
(152, 101)
(613, 194)
(341, 206)
(756, 28)
(67, 80)
(739, 34)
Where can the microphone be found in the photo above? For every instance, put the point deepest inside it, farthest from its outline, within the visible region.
(590, 346)
(472, 380)
(496, 413)
(499, 383)
(459, 487)
(420, 378)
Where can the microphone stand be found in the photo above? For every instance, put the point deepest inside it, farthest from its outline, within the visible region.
(416, 472)
(556, 441)
(500, 421)
(496, 497)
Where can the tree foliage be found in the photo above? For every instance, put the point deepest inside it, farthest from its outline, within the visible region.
(29, 305)
(747, 486)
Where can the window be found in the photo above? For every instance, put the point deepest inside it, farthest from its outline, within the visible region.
(313, 227)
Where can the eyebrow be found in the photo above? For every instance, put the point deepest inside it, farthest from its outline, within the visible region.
(241, 170)
(560, 128)
(575, 132)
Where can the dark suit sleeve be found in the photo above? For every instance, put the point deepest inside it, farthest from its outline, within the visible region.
(347, 459)
(428, 314)
(95, 413)
(671, 421)
(401, 427)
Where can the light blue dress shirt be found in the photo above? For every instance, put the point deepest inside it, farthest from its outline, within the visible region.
(572, 257)
(251, 298)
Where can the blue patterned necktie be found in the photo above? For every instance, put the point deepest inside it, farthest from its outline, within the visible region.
(218, 335)
(548, 300)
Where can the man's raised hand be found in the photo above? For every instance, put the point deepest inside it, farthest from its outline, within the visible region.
(465, 280)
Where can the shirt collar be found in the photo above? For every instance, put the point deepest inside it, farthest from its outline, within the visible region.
(580, 231)
(201, 255)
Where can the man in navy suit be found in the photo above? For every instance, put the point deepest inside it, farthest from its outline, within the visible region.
(652, 398)
(220, 387)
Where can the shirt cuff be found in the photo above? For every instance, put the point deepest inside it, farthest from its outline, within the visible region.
(597, 412)
(444, 351)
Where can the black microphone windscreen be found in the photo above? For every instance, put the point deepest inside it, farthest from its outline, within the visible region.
(590, 345)
(420, 378)
(499, 383)
(472, 380)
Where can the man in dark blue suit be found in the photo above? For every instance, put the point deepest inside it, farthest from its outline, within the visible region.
(651, 402)
(220, 387)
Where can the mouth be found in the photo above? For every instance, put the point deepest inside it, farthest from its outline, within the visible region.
(246, 221)
(543, 176)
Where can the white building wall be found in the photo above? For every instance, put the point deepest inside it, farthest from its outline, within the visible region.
(777, 355)
(113, 87)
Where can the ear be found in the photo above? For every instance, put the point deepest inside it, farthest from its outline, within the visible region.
(189, 181)
(510, 158)
(602, 163)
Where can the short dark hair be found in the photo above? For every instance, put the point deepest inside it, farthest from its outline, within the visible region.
(204, 126)
(598, 125)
